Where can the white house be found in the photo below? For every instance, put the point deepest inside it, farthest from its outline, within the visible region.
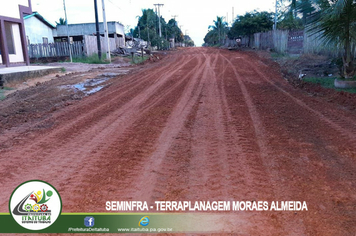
(38, 30)
(13, 45)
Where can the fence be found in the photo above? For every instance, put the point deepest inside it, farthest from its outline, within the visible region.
(58, 49)
(280, 41)
(292, 42)
(90, 44)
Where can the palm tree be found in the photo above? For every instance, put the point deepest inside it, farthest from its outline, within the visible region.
(61, 21)
(219, 26)
(337, 24)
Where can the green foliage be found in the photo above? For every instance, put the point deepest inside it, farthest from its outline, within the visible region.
(328, 83)
(336, 22)
(93, 59)
(188, 41)
(250, 23)
(174, 31)
(2, 91)
(216, 32)
(61, 21)
(138, 59)
(147, 29)
(220, 27)
(290, 23)
(211, 38)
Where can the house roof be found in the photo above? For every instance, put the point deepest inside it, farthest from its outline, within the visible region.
(38, 16)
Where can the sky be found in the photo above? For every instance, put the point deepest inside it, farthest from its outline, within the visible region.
(194, 17)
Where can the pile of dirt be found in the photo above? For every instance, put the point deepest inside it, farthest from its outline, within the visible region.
(313, 66)
(310, 65)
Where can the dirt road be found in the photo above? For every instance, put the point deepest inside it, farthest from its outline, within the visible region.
(203, 124)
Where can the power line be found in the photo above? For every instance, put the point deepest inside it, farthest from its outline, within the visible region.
(115, 5)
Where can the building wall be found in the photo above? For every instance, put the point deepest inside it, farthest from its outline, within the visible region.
(36, 30)
(12, 32)
(18, 52)
(88, 29)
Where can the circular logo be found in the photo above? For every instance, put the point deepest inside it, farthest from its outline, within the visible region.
(35, 205)
(144, 221)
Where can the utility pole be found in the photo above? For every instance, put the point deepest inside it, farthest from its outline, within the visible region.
(159, 17)
(106, 33)
(97, 29)
(156, 21)
(68, 39)
(275, 18)
(175, 22)
(233, 16)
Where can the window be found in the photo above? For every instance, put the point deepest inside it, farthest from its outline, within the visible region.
(9, 38)
(45, 40)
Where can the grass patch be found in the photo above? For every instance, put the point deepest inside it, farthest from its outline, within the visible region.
(2, 91)
(93, 59)
(277, 55)
(328, 83)
(138, 59)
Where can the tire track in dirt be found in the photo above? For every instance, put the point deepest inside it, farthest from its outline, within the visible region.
(154, 117)
(204, 126)
(66, 152)
(264, 152)
(122, 93)
(330, 118)
(169, 133)
(302, 156)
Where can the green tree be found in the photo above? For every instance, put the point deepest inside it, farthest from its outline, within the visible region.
(61, 21)
(174, 31)
(250, 23)
(211, 38)
(336, 22)
(147, 29)
(188, 41)
(220, 27)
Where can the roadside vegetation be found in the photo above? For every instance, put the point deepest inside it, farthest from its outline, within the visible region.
(327, 83)
(138, 59)
(147, 28)
(334, 21)
(2, 92)
(93, 59)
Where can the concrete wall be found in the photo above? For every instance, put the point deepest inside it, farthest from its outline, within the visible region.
(36, 30)
(11, 8)
(88, 29)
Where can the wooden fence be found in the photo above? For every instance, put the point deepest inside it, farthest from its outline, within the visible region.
(58, 49)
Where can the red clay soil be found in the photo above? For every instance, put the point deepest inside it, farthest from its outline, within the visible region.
(201, 125)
